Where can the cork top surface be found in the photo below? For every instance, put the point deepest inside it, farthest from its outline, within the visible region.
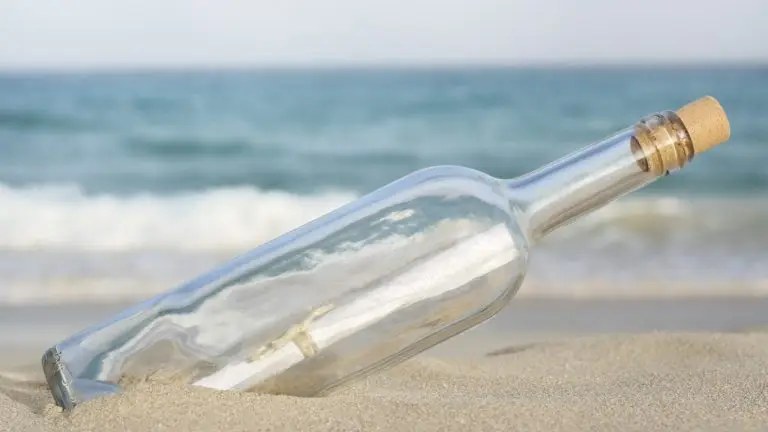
(706, 122)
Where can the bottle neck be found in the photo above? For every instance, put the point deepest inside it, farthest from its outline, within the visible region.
(578, 184)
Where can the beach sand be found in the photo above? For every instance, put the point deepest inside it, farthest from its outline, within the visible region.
(641, 381)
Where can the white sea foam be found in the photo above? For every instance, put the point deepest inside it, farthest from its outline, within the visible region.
(63, 218)
(128, 291)
(59, 245)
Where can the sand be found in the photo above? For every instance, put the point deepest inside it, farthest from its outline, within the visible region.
(623, 382)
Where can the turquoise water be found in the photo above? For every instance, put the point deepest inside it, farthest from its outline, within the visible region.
(118, 185)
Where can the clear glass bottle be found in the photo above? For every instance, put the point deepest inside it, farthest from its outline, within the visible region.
(374, 282)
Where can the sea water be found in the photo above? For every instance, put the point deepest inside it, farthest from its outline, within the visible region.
(115, 186)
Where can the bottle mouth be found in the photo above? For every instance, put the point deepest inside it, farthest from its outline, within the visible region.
(668, 140)
(661, 143)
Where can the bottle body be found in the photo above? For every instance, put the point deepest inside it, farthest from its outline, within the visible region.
(373, 283)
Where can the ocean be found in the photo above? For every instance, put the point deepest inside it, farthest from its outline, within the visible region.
(118, 185)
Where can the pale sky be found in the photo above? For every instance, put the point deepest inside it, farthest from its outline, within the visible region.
(163, 33)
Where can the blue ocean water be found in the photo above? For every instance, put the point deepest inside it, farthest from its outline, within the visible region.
(118, 185)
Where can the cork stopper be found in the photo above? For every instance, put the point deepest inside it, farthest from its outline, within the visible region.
(706, 123)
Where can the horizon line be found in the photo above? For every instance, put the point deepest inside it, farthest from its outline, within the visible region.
(384, 65)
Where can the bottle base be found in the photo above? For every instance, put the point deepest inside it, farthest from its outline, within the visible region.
(68, 392)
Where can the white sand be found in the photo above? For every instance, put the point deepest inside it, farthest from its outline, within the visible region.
(659, 381)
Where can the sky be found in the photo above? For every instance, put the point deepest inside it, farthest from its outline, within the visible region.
(55, 34)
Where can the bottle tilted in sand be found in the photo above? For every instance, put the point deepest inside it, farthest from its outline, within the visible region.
(374, 282)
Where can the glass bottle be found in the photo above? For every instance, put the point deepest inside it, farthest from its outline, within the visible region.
(374, 282)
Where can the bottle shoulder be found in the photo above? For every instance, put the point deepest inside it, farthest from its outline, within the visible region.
(477, 192)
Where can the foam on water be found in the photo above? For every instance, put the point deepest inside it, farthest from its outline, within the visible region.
(58, 244)
(63, 218)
